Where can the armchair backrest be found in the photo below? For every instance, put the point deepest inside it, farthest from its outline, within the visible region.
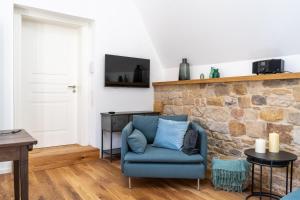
(148, 124)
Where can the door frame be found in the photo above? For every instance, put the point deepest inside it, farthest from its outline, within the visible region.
(85, 27)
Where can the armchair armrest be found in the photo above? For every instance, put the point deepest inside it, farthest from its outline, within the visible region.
(203, 141)
(127, 130)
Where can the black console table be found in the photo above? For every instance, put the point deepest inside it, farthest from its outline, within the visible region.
(115, 122)
(272, 160)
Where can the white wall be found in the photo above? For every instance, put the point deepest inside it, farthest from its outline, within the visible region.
(214, 31)
(237, 68)
(118, 29)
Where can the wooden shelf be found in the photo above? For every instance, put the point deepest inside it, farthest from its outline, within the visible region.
(261, 77)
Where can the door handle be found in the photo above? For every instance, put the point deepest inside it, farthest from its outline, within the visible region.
(72, 87)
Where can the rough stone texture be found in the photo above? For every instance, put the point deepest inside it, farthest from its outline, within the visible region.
(285, 132)
(244, 102)
(239, 89)
(258, 100)
(222, 89)
(215, 101)
(296, 136)
(235, 114)
(271, 114)
(231, 101)
(237, 128)
(296, 93)
(256, 129)
(294, 118)
(280, 101)
(250, 114)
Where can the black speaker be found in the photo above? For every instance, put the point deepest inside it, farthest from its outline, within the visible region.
(272, 66)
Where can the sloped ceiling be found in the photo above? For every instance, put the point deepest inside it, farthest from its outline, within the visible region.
(216, 31)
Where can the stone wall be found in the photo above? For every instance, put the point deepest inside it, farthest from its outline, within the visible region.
(234, 114)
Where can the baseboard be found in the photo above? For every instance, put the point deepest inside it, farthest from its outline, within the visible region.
(5, 167)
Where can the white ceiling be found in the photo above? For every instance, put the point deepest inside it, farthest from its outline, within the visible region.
(215, 31)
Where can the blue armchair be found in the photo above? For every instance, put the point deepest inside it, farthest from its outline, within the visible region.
(159, 162)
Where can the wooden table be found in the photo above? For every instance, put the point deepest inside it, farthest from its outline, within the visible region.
(14, 146)
(282, 159)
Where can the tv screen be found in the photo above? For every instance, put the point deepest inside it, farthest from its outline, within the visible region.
(121, 71)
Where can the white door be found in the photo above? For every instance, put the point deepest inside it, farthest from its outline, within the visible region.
(49, 64)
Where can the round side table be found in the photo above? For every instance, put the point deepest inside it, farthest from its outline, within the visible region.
(271, 160)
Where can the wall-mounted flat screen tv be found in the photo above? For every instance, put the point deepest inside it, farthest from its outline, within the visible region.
(121, 71)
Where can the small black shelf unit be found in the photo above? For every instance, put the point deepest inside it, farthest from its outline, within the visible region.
(114, 123)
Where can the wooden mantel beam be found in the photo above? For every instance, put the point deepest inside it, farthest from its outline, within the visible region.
(262, 77)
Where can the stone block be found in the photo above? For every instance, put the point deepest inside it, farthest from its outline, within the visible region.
(296, 135)
(215, 101)
(280, 101)
(244, 102)
(294, 118)
(296, 93)
(199, 102)
(239, 89)
(280, 91)
(280, 83)
(178, 110)
(284, 131)
(256, 129)
(168, 109)
(271, 114)
(178, 102)
(237, 128)
(250, 114)
(217, 114)
(230, 101)
(258, 100)
(219, 127)
(188, 100)
(237, 113)
(222, 89)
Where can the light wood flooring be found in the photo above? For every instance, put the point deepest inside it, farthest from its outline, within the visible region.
(101, 179)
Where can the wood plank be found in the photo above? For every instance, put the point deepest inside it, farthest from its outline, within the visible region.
(261, 77)
(101, 179)
(60, 156)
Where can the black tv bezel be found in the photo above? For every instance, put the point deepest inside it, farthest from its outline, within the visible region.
(131, 85)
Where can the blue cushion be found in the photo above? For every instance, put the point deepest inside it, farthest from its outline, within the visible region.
(137, 141)
(292, 196)
(148, 124)
(170, 134)
(162, 155)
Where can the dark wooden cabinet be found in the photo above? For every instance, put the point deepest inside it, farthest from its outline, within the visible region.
(114, 123)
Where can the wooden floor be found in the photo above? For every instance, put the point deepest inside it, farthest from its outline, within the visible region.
(102, 180)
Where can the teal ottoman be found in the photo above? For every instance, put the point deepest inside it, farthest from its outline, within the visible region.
(230, 175)
(292, 196)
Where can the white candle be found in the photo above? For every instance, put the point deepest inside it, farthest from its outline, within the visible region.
(274, 142)
(260, 145)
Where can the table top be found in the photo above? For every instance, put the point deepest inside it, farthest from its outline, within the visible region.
(282, 156)
(19, 138)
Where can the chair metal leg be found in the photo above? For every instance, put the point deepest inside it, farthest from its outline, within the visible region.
(198, 184)
(129, 182)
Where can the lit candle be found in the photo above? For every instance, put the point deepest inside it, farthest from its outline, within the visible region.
(274, 142)
(260, 145)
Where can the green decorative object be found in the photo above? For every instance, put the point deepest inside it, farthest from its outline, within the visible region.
(216, 73)
(230, 175)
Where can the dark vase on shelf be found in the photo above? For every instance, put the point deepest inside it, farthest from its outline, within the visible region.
(184, 70)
